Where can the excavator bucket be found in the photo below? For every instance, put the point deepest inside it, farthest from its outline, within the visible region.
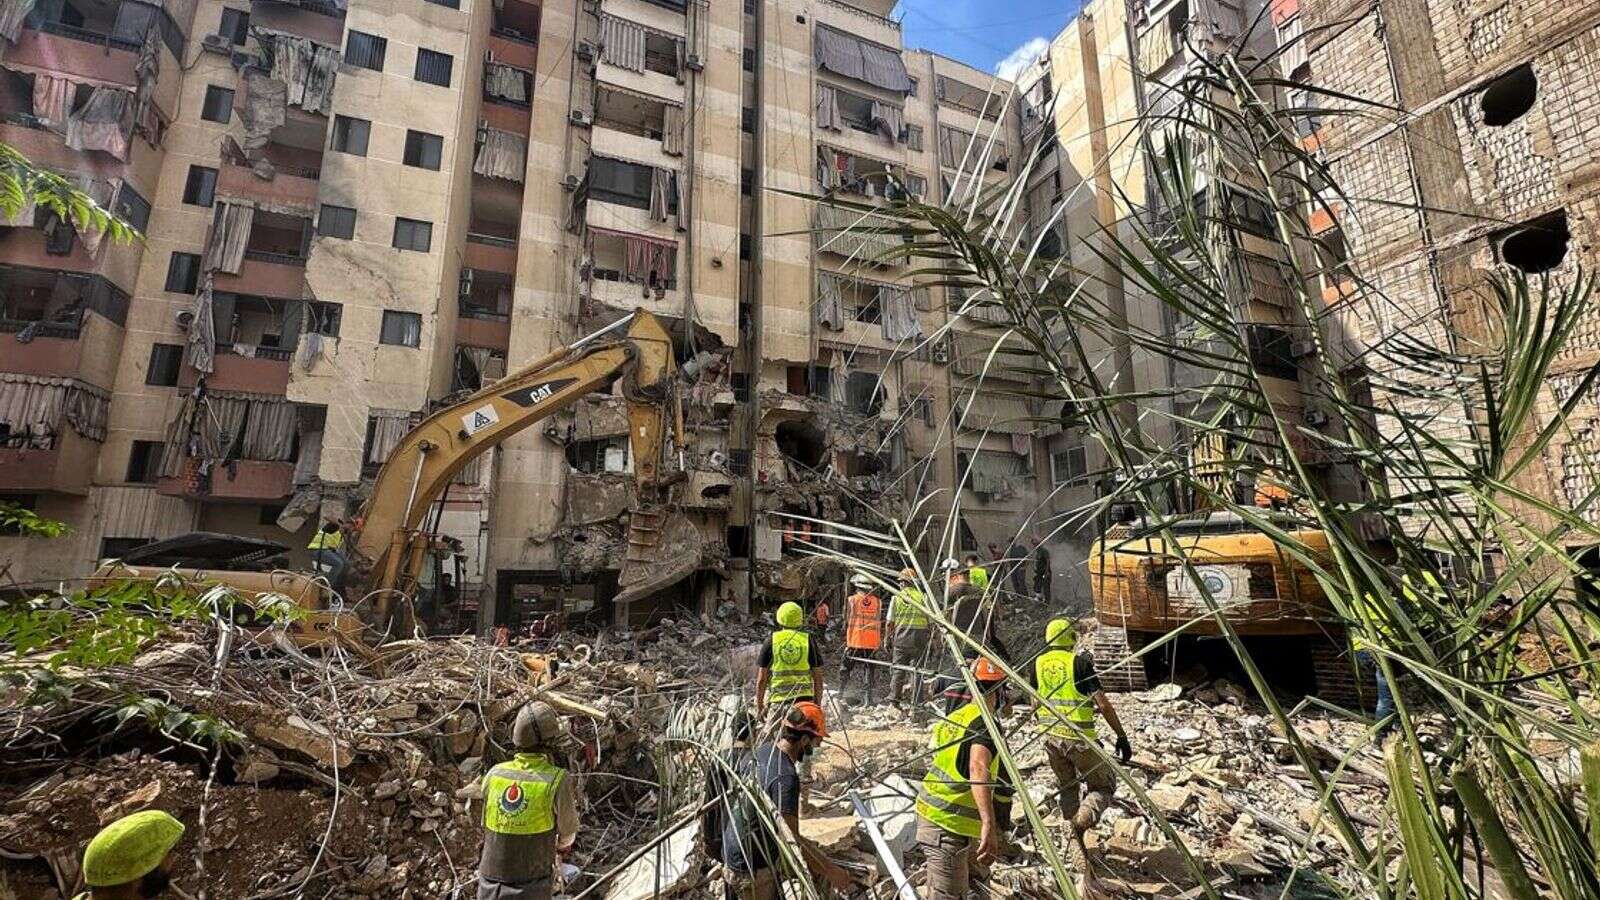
(663, 549)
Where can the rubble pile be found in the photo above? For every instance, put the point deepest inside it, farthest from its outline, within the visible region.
(348, 773)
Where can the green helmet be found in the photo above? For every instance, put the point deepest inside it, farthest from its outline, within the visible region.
(790, 615)
(130, 848)
(1061, 633)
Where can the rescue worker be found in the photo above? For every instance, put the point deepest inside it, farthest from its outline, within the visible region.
(327, 552)
(1070, 692)
(790, 668)
(530, 813)
(908, 637)
(977, 575)
(749, 849)
(968, 610)
(131, 857)
(957, 822)
(863, 632)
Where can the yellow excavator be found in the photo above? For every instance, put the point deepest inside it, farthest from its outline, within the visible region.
(390, 546)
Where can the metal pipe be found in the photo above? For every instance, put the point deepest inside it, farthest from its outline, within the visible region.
(904, 890)
(416, 479)
(609, 328)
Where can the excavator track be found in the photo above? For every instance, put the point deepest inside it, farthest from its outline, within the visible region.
(1113, 649)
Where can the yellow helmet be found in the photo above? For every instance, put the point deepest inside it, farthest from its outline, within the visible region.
(790, 615)
(1061, 633)
(130, 848)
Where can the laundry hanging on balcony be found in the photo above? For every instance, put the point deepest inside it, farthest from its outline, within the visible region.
(33, 409)
(898, 314)
(52, 100)
(263, 106)
(888, 120)
(505, 82)
(622, 43)
(830, 301)
(843, 54)
(230, 231)
(269, 429)
(104, 122)
(501, 154)
(651, 263)
(828, 108)
(664, 199)
(12, 12)
(306, 68)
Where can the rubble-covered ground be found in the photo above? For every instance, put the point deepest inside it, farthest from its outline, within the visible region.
(352, 772)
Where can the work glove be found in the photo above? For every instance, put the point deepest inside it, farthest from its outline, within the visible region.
(1124, 749)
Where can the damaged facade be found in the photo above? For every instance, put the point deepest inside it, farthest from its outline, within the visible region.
(358, 209)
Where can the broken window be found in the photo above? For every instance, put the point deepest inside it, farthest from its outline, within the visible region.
(1069, 466)
(200, 189)
(218, 105)
(350, 135)
(1539, 245)
(1272, 351)
(235, 25)
(165, 361)
(605, 455)
(144, 462)
(402, 329)
(803, 443)
(183, 273)
(324, 318)
(864, 392)
(1509, 97)
(661, 53)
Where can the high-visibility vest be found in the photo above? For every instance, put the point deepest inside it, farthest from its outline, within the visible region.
(519, 796)
(326, 540)
(1066, 711)
(979, 576)
(946, 797)
(907, 608)
(864, 624)
(791, 666)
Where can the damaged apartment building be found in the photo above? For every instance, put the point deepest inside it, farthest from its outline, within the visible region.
(355, 210)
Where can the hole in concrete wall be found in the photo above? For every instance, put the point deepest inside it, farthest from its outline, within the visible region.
(716, 491)
(1538, 246)
(802, 442)
(1509, 97)
(738, 537)
(857, 465)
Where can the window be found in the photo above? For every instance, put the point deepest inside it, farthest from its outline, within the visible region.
(914, 137)
(912, 91)
(365, 50)
(403, 329)
(413, 234)
(747, 120)
(864, 392)
(625, 183)
(747, 181)
(218, 105)
(235, 25)
(132, 207)
(744, 246)
(660, 53)
(201, 187)
(749, 60)
(916, 186)
(165, 360)
(336, 221)
(183, 272)
(423, 150)
(749, 7)
(1069, 466)
(1272, 351)
(144, 462)
(118, 547)
(325, 318)
(434, 67)
(350, 135)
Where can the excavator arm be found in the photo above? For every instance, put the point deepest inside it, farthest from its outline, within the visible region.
(426, 459)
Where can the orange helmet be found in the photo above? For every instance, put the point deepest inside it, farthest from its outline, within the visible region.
(807, 717)
(985, 671)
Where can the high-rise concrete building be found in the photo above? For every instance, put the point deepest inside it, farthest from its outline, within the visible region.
(355, 209)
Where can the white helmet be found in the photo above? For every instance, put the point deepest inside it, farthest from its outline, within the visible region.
(861, 581)
(950, 565)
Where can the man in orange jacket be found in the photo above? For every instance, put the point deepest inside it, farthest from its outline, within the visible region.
(863, 634)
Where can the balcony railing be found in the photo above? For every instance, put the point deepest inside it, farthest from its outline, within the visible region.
(282, 354)
(837, 4)
(519, 104)
(67, 330)
(322, 8)
(511, 34)
(299, 171)
(88, 36)
(670, 284)
(282, 259)
(492, 240)
(482, 312)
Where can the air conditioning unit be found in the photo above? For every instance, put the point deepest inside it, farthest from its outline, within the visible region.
(694, 63)
(184, 318)
(941, 352)
(216, 43)
(1316, 418)
(1303, 349)
(580, 117)
(465, 288)
(586, 51)
(571, 182)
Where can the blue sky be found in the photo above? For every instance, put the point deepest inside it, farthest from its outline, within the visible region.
(984, 33)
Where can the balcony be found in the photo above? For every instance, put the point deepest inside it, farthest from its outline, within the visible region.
(316, 20)
(266, 371)
(861, 22)
(514, 33)
(487, 253)
(506, 117)
(84, 53)
(484, 309)
(245, 480)
(274, 258)
(513, 49)
(86, 348)
(65, 467)
(292, 187)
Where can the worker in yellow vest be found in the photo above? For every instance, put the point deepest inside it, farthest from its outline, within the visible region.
(530, 813)
(790, 668)
(957, 823)
(977, 575)
(131, 857)
(327, 552)
(908, 632)
(1070, 693)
